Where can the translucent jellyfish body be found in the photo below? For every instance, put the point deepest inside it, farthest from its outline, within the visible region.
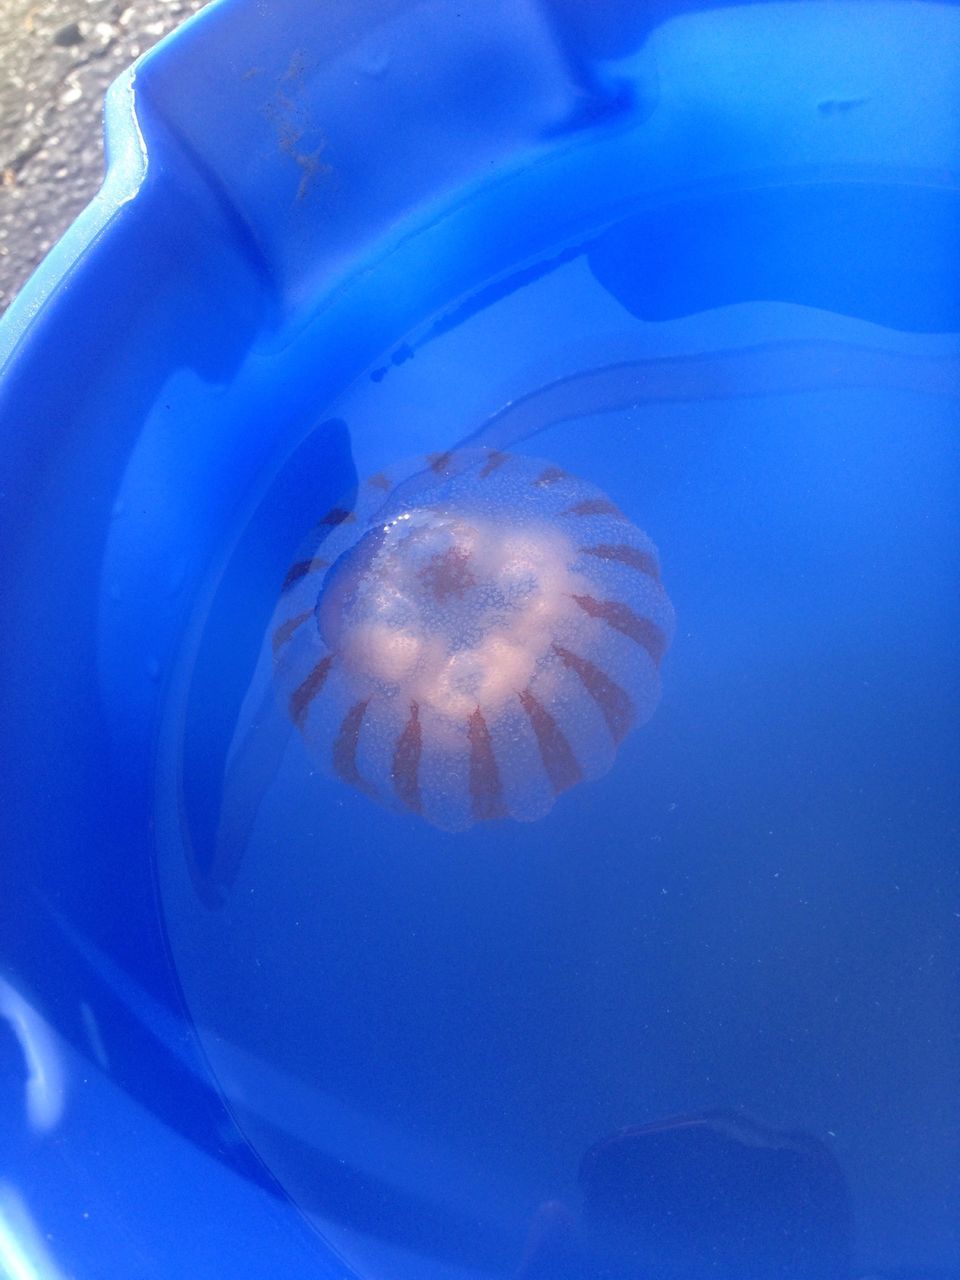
(476, 640)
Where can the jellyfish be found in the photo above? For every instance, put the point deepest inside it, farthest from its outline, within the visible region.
(472, 642)
(472, 482)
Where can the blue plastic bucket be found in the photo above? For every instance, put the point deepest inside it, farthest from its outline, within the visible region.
(704, 259)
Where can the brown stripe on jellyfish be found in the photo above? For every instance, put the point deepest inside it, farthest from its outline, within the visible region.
(305, 693)
(550, 476)
(287, 628)
(486, 789)
(406, 762)
(495, 459)
(614, 702)
(595, 507)
(345, 746)
(558, 759)
(439, 462)
(300, 569)
(622, 553)
(622, 618)
(335, 516)
(379, 481)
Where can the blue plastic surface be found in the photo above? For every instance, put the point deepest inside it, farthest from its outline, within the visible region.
(299, 200)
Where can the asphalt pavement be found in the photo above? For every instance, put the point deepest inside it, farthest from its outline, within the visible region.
(57, 58)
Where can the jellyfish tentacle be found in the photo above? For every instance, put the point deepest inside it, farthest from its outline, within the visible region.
(770, 368)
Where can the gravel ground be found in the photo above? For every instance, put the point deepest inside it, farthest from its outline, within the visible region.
(56, 59)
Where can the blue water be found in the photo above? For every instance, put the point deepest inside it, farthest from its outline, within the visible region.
(699, 1021)
(754, 913)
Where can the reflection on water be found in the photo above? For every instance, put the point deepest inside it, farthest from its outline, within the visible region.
(25, 1253)
(715, 1194)
(45, 1086)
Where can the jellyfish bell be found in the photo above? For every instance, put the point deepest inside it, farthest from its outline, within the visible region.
(474, 641)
